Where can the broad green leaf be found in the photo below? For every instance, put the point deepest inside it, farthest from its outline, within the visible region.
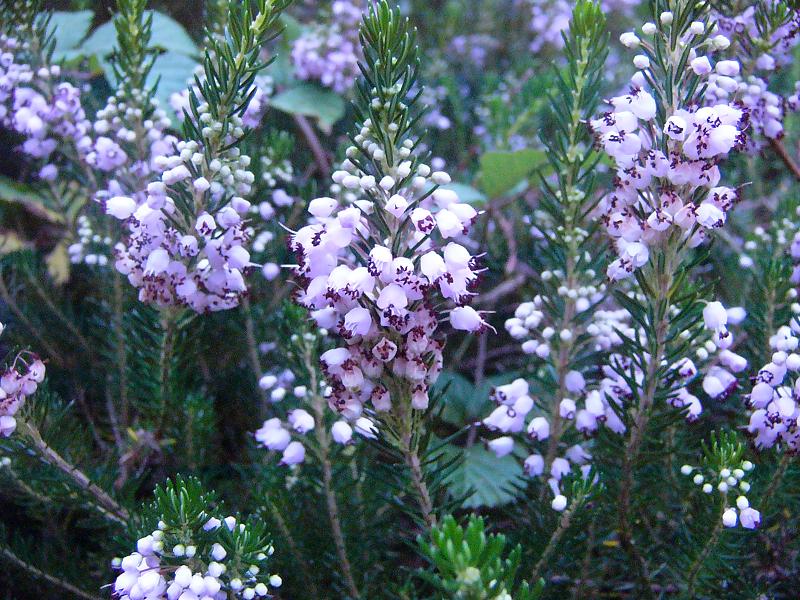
(466, 193)
(282, 72)
(464, 402)
(167, 35)
(170, 35)
(292, 28)
(21, 194)
(492, 481)
(69, 28)
(501, 171)
(173, 72)
(311, 101)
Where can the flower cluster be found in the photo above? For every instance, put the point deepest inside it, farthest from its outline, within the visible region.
(773, 399)
(259, 94)
(768, 47)
(529, 324)
(761, 44)
(177, 563)
(712, 357)
(91, 248)
(17, 382)
(45, 111)
(514, 404)
(187, 238)
(667, 174)
(382, 308)
(729, 479)
(329, 53)
(549, 19)
(175, 257)
(376, 271)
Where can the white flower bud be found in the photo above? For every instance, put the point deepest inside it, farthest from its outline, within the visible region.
(559, 503)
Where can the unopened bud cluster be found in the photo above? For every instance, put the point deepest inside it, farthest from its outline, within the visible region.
(179, 563)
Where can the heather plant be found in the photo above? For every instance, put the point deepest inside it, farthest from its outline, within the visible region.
(470, 300)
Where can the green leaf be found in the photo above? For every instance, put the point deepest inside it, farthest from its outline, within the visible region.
(20, 194)
(167, 34)
(311, 101)
(292, 29)
(493, 481)
(173, 72)
(501, 171)
(464, 402)
(466, 193)
(69, 28)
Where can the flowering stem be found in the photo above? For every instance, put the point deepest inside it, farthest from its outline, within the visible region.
(336, 526)
(418, 480)
(165, 359)
(324, 443)
(563, 525)
(106, 505)
(579, 591)
(709, 546)
(122, 359)
(573, 208)
(562, 367)
(660, 327)
(408, 447)
(39, 574)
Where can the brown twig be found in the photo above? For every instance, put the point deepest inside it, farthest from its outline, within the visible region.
(106, 505)
(320, 157)
(783, 154)
(252, 348)
(38, 573)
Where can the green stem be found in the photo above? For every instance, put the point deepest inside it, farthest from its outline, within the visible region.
(168, 326)
(563, 525)
(652, 380)
(294, 550)
(122, 354)
(694, 570)
(323, 443)
(777, 479)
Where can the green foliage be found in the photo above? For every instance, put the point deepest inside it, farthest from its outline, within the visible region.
(473, 565)
(500, 172)
(482, 479)
(391, 63)
(69, 29)
(311, 101)
(230, 66)
(136, 395)
(165, 34)
(183, 516)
